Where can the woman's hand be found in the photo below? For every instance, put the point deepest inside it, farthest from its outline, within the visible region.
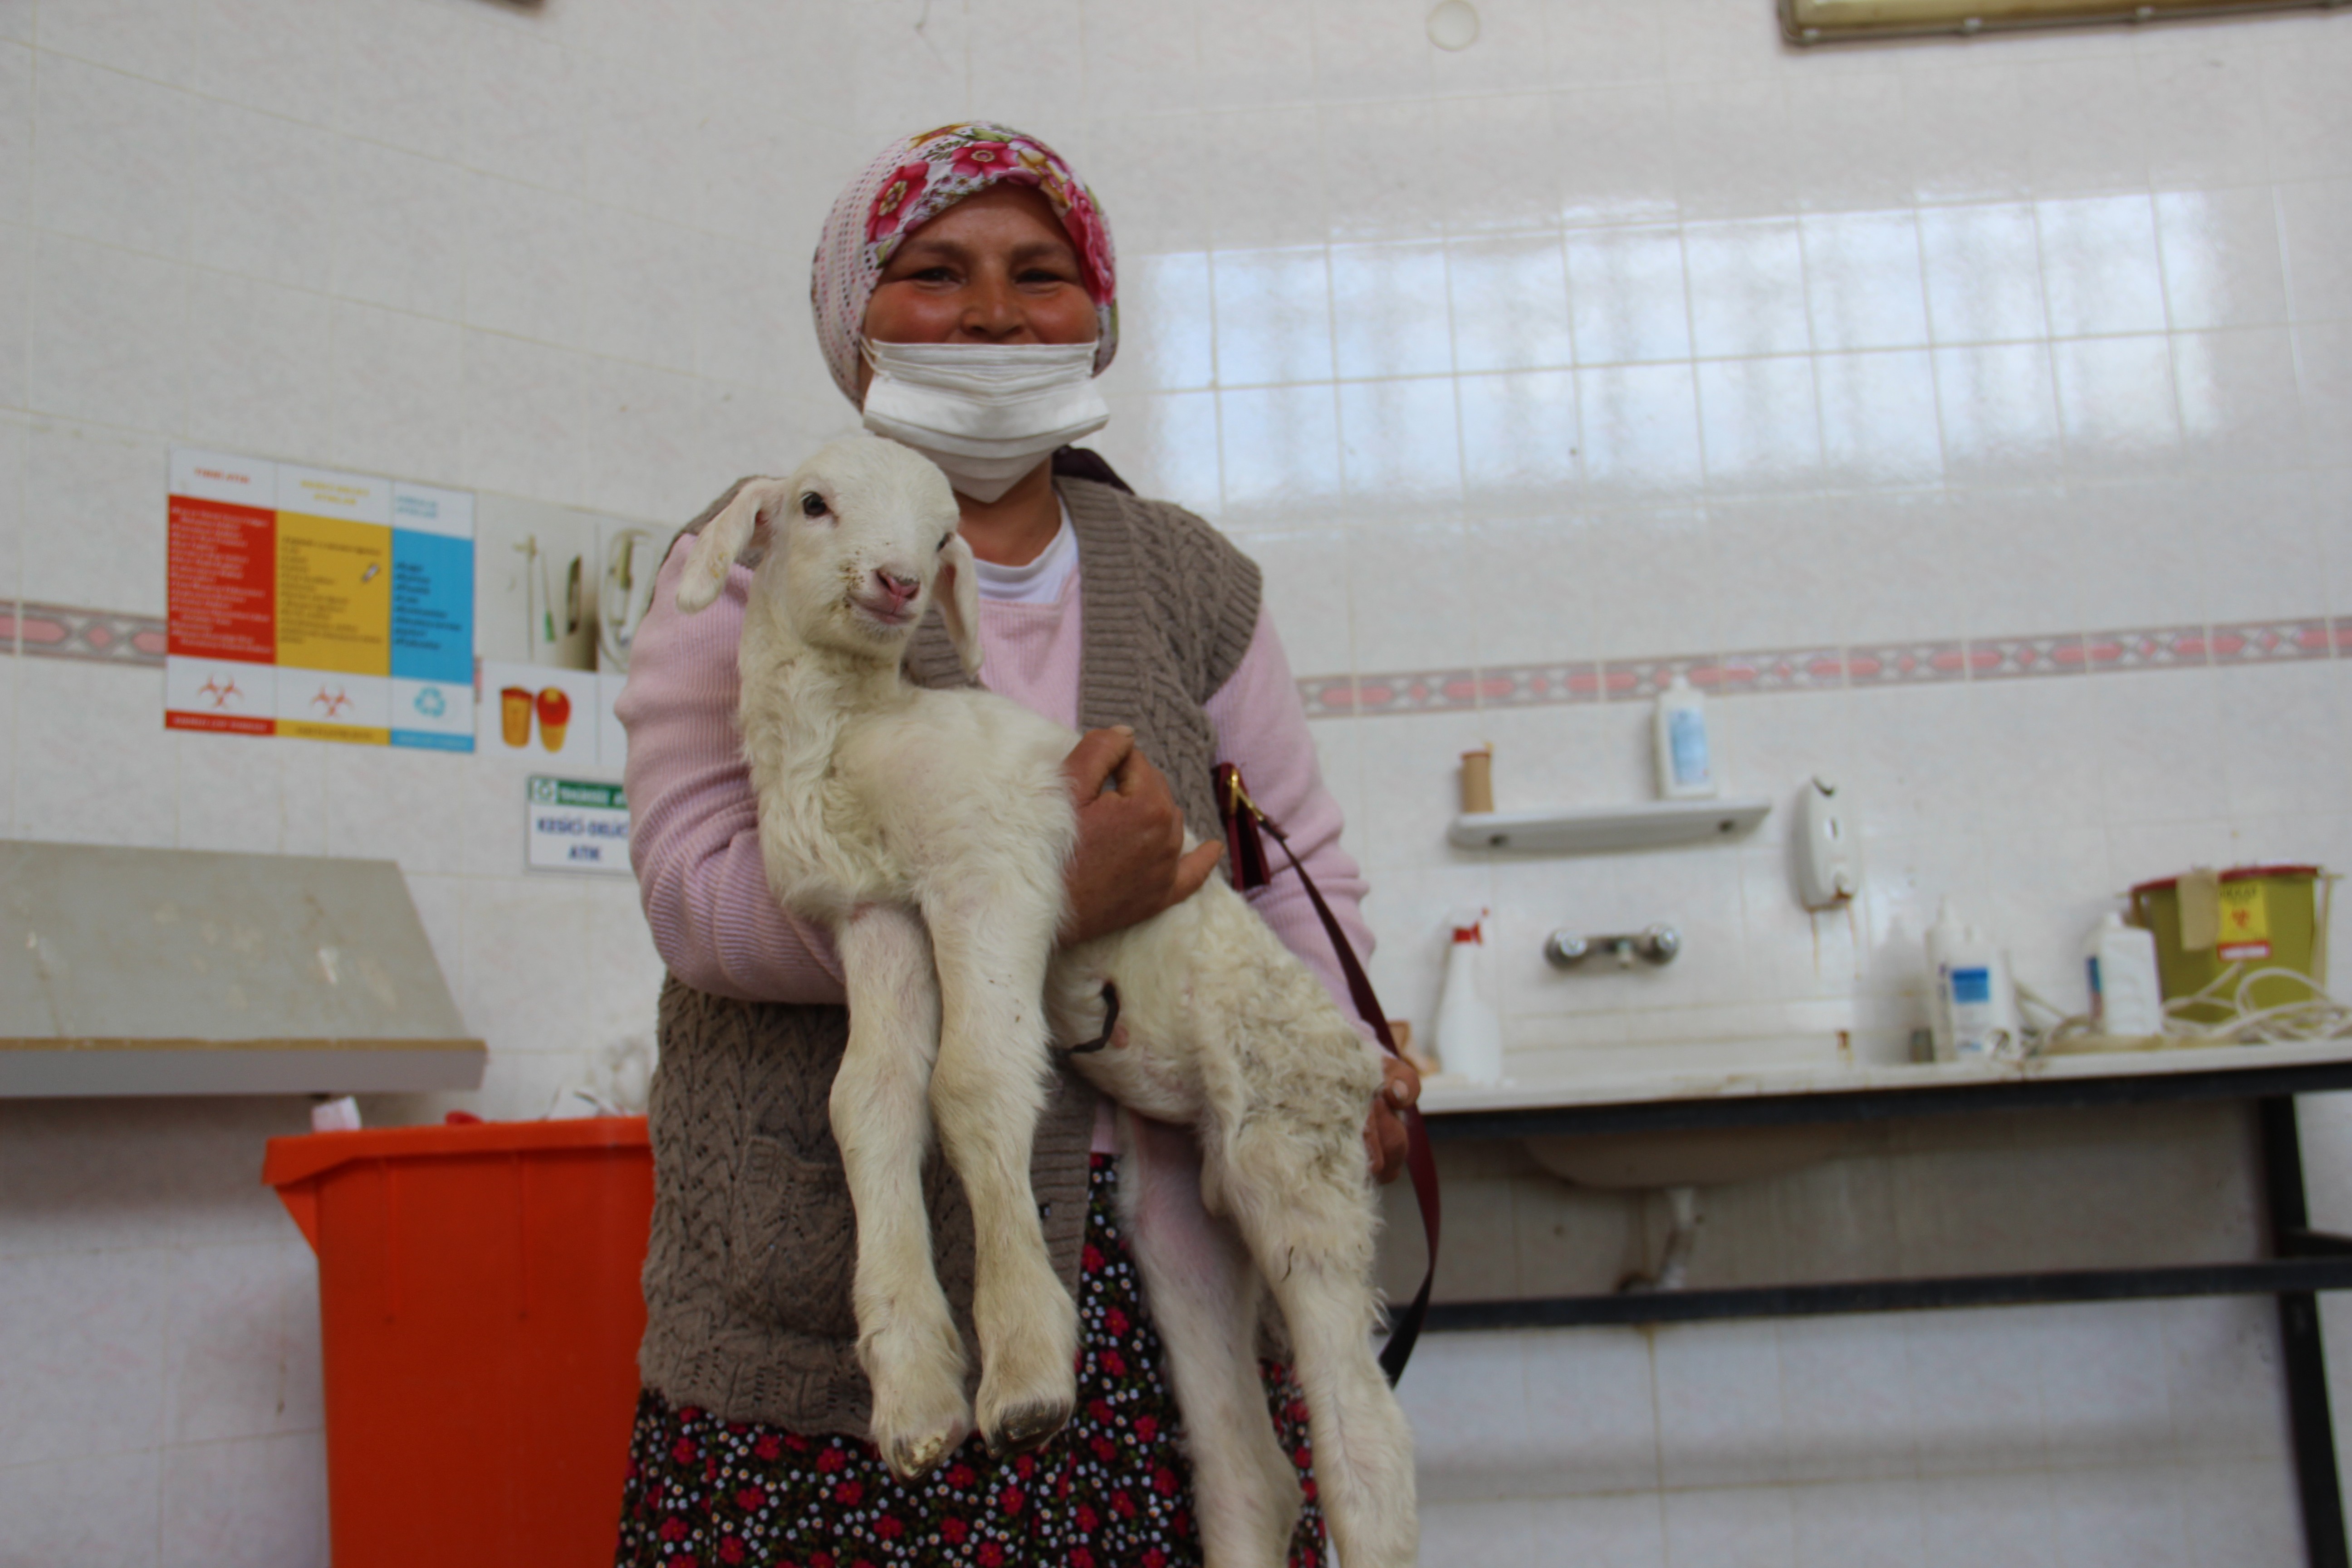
(1129, 863)
(1384, 1135)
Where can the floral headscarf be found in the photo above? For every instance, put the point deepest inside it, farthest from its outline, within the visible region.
(912, 182)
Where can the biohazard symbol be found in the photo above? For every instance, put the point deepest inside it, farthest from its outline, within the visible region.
(216, 696)
(330, 703)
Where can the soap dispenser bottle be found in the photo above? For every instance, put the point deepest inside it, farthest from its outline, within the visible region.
(2126, 998)
(1685, 767)
(1973, 1011)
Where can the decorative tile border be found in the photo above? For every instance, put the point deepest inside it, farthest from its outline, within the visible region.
(112, 636)
(2257, 641)
(2157, 648)
(1826, 668)
(102, 636)
(1451, 690)
(1909, 664)
(1803, 669)
(2016, 658)
(1639, 680)
(1537, 685)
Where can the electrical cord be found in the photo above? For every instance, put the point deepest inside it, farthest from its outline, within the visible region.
(2318, 1017)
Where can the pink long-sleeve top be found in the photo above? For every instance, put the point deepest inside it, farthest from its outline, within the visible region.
(693, 838)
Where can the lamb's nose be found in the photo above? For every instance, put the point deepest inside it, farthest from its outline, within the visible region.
(900, 589)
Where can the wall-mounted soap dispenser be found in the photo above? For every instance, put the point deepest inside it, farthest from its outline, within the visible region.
(1828, 872)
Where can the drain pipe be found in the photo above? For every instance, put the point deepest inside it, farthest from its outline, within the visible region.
(1682, 1236)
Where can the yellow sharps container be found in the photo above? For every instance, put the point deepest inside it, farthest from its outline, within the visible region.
(2262, 917)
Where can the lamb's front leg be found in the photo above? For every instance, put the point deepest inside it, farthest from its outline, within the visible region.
(987, 1089)
(907, 1337)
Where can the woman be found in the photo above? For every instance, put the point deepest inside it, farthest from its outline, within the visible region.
(958, 284)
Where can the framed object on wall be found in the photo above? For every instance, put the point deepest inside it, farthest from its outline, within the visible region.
(1832, 21)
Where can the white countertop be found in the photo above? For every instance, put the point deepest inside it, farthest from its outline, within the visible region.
(1442, 1094)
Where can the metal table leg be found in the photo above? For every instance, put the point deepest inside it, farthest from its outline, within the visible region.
(2305, 1357)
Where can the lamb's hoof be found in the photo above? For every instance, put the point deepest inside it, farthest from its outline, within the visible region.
(912, 1459)
(1026, 1427)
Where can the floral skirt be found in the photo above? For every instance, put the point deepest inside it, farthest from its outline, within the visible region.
(1113, 1489)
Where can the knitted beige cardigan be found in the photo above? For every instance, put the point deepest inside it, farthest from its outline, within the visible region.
(747, 1276)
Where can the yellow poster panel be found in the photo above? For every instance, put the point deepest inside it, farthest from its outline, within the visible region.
(334, 595)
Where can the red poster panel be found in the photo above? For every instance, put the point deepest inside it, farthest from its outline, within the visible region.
(224, 566)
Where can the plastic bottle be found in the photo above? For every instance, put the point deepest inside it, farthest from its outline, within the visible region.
(1974, 1010)
(1469, 1031)
(1945, 938)
(1686, 770)
(2126, 999)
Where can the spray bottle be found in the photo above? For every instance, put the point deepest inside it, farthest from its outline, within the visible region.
(1469, 1030)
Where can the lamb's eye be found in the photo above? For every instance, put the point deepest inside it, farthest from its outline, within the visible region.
(812, 504)
(944, 539)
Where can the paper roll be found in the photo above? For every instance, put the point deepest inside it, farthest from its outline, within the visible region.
(1478, 780)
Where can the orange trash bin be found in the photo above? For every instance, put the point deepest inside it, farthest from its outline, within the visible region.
(480, 1313)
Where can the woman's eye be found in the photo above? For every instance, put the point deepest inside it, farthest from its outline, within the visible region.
(812, 504)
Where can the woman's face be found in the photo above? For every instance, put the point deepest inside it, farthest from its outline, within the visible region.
(996, 267)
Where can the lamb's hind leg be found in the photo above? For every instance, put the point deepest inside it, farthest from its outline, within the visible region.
(1203, 1293)
(907, 1338)
(988, 1089)
(1308, 1220)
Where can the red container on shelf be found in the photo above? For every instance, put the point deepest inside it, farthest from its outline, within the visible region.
(479, 1311)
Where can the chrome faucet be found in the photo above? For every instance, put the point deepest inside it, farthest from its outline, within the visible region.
(1566, 950)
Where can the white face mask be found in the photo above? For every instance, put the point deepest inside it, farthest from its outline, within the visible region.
(985, 413)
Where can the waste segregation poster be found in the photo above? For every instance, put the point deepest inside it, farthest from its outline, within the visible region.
(324, 605)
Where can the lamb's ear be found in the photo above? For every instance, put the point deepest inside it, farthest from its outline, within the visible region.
(723, 539)
(958, 594)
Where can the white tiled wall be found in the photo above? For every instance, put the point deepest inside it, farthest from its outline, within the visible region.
(2150, 1433)
(1622, 334)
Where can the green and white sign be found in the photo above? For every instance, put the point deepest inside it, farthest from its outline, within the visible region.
(577, 825)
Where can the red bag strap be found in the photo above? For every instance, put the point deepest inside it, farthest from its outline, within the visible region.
(1243, 820)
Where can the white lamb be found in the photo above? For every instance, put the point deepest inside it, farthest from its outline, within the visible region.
(927, 830)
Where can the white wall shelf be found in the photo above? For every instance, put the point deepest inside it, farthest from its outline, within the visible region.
(50, 1068)
(168, 971)
(1605, 829)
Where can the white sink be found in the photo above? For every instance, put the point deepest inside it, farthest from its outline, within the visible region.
(1697, 1157)
(1692, 1069)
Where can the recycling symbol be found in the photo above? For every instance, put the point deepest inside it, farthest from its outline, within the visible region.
(431, 703)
